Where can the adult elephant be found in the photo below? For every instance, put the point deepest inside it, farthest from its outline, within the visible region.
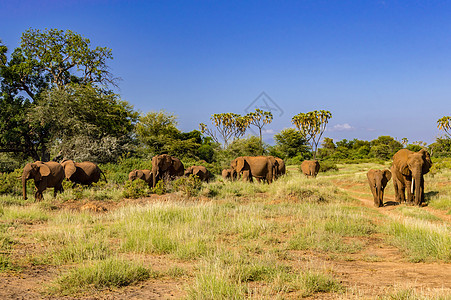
(310, 168)
(228, 174)
(378, 180)
(165, 166)
(84, 173)
(45, 175)
(260, 167)
(199, 171)
(408, 169)
(145, 175)
(281, 167)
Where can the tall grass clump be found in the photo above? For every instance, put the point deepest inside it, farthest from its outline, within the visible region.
(325, 227)
(112, 272)
(24, 214)
(180, 230)
(420, 240)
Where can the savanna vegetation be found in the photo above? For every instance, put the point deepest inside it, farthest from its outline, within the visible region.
(300, 237)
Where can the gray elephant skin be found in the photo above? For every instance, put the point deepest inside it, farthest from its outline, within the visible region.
(407, 170)
(200, 171)
(260, 167)
(165, 166)
(144, 174)
(84, 173)
(45, 175)
(378, 180)
(310, 168)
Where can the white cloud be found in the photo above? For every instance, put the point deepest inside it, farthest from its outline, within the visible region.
(268, 131)
(341, 127)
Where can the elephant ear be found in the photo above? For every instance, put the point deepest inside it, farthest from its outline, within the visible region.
(69, 168)
(404, 169)
(240, 163)
(427, 161)
(177, 164)
(44, 171)
(370, 175)
(140, 174)
(387, 175)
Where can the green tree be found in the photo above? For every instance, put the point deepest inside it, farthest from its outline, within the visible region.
(445, 124)
(384, 147)
(312, 126)
(227, 125)
(290, 143)
(45, 61)
(155, 130)
(84, 122)
(259, 119)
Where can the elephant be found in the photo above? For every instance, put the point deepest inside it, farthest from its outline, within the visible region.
(165, 166)
(245, 176)
(84, 173)
(281, 167)
(45, 175)
(199, 171)
(310, 168)
(145, 175)
(228, 174)
(260, 167)
(378, 180)
(408, 169)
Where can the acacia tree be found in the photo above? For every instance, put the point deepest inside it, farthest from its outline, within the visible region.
(445, 124)
(44, 62)
(228, 125)
(312, 125)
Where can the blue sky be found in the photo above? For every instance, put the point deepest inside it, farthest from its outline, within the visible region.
(380, 67)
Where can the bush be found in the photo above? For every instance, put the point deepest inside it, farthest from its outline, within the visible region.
(136, 189)
(10, 183)
(327, 166)
(188, 186)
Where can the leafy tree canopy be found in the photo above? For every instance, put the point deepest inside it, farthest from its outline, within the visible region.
(290, 143)
(47, 67)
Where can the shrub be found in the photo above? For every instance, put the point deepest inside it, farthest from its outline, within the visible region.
(160, 188)
(188, 186)
(10, 183)
(327, 166)
(136, 189)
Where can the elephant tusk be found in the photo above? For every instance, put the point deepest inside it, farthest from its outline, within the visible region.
(413, 184)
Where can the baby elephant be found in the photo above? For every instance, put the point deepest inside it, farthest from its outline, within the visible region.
(145, 175)
(228, 174)
(378, 180)
(199, 171)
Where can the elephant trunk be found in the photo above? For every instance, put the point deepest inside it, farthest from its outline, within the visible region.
(417, 186)
(24, 187)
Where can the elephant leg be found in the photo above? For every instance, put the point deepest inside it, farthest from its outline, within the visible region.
(57, 189)
(395, 187)
(409, 192)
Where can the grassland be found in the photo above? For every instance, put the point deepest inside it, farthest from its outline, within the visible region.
(296, 238)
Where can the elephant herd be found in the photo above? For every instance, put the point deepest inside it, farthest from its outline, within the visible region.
(407, 171)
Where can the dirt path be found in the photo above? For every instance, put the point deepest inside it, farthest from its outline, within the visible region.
(390, 268)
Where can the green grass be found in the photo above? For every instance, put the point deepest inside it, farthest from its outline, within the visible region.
(420, 240)
(417, 213)
(112, 272)
(23, 214)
